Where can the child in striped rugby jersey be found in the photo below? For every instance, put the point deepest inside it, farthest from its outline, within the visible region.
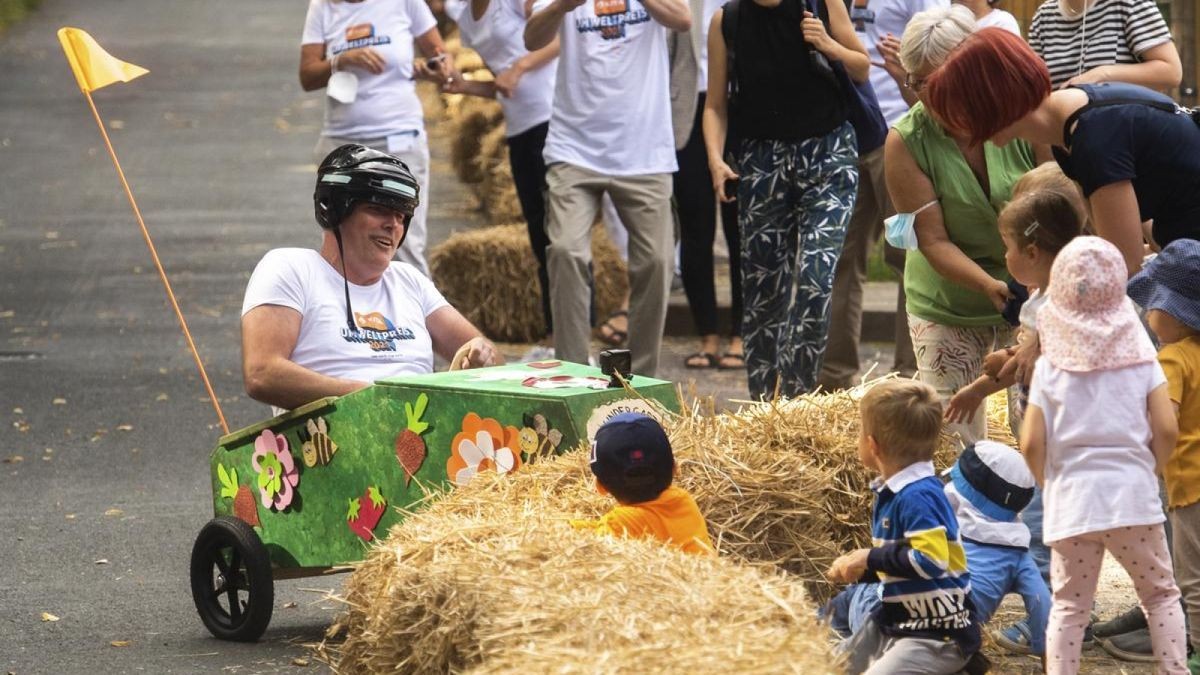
(927, 621)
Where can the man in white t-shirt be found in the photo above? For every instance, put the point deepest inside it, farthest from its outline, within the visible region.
(610, 132)
(332, 321)
(365, 54)
(878, 23)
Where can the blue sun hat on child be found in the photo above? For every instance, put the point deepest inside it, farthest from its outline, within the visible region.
(996, 485)
(1169, 282)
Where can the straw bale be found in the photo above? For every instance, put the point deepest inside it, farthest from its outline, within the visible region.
(499, 197)
(493, 153)
(465, 58)
(491, 579)
(468, 60)
(997, 413)
(781, 482)
(472, 119)
(497, 191)
(490, 275)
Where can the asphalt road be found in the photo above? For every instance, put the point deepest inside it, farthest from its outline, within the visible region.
(104, 427)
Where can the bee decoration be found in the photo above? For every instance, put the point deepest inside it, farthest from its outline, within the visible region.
(537, 439)
(318, 447)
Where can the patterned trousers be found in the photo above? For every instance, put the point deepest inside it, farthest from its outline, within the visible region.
(951, 357)
(794, 202)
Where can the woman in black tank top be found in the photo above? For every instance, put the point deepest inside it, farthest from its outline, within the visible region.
(796, 175)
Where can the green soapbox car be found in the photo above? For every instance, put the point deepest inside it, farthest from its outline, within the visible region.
(306, 492)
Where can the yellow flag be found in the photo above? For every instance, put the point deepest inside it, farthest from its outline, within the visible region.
(93, 67)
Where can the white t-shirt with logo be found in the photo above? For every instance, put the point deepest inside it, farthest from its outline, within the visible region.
(387, 102)
(1099, 466)
(873, 23)
(612, 107)
(391, 339)
(498, 36)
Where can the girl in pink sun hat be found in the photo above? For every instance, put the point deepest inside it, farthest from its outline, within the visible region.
(1098, 430)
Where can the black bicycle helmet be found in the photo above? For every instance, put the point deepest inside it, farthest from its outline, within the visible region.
(355, 173)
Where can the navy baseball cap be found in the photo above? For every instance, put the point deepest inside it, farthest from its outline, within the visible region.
(632, 458)
(1168, 282)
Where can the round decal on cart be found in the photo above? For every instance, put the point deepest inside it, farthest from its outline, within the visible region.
(607, 411)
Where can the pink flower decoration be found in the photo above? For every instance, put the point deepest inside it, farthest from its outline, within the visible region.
(277, 475)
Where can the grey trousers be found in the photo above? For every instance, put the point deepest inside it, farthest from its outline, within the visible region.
(1185, 554)
(644, 205)
(872, 653)
(840, 368)
(414, 151)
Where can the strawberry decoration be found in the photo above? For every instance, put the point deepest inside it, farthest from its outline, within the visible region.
(410, 447)
(365, 512)
(244, 506)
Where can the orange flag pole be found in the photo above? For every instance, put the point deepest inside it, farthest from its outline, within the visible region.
(86, 77)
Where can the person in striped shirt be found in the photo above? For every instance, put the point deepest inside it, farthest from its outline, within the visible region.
(927, 622)
(1093, 41)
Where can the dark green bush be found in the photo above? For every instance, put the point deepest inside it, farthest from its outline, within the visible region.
(12, 11)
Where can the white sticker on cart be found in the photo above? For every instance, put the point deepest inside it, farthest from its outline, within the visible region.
(607, 411)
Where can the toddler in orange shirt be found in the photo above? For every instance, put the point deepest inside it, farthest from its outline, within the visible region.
(632, 461)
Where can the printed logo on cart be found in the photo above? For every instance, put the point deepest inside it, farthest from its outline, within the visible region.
(377, 331)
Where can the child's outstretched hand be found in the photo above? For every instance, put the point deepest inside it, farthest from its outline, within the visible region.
(849, 568)
(994, 362)
(962, 406)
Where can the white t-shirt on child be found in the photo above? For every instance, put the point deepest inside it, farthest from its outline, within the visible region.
(392, 338)
(1099, 465)
(612, 106)
(387, 102)
(1029, 310)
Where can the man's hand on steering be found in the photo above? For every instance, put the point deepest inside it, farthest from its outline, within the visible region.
(478, 352)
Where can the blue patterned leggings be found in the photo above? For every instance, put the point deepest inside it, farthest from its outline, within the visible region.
(794, 203)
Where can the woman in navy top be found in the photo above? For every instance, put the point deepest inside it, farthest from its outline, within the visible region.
(1134, 152)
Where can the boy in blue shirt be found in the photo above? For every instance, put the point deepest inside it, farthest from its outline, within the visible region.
(926, 623)
(989, 486)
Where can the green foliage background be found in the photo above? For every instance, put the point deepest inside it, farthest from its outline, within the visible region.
(12, 11)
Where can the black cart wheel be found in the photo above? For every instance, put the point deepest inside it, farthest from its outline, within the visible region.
(231, 580)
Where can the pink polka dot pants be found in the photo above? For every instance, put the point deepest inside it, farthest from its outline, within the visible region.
(1074, 571)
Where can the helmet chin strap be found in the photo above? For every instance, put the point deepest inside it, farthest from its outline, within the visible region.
(337, 234)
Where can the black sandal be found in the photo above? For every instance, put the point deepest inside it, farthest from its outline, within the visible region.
(615, 336)
(741, 357)
(710, 361)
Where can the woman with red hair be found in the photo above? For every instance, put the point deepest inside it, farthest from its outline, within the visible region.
(948, 192)
(1134, 152)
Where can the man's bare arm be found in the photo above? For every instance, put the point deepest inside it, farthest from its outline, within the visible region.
(543, 25)
(269, 335)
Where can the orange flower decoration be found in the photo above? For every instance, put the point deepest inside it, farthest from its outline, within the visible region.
(482, 445)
